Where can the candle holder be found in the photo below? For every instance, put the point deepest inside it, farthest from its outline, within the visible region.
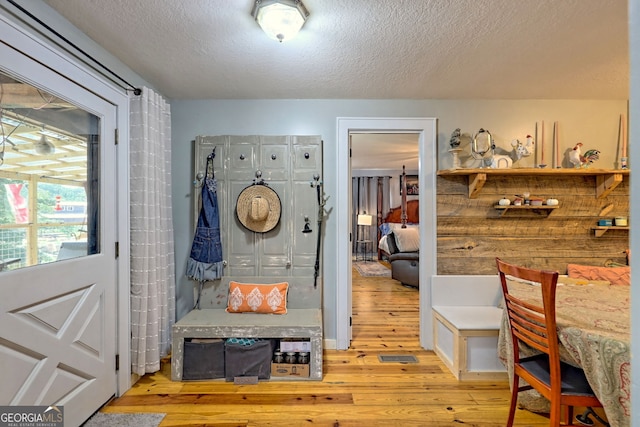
(542, 166)
(455, 153)
(623, 163)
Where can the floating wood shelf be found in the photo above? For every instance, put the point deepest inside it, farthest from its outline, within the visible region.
(544, 210)
(606, 179)
(600, 230)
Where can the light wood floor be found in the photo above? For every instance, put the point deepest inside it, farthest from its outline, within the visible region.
(357, 389)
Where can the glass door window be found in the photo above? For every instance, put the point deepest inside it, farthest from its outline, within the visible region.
(49, 170)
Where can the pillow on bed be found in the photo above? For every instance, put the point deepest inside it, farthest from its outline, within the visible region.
(407, 239)
(614, 275)
(391, 243)
(257, 298)
(384, 229)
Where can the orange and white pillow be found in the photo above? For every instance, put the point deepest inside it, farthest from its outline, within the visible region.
(614, 275)
(257, 298)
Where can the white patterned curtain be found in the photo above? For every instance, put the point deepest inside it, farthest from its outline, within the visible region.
(152, 249)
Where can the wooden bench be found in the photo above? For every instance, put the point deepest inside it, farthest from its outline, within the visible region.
(466, 339)
(466, 324)
(217, 323)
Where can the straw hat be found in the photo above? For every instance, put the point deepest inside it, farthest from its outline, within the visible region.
(258, 208)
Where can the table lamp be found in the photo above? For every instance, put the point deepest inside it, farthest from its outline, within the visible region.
(364, 220)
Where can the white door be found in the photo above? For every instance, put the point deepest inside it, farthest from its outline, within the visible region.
(57, 303)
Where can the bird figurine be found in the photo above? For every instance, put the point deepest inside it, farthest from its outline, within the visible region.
(589, 157)
(575, 155)
(579, 160)
(454, 142)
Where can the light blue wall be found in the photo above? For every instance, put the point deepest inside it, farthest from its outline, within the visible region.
(593, 122)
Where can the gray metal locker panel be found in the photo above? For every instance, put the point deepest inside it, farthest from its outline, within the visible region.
(288, 164)
(275, 158)
(240, 245)
(304, 244)
(202, 148)
(274, 255)
(243, 158)
(307, 158)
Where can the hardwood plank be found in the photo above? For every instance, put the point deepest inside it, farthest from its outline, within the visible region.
(235, 399)
(569, 205)
(386, 369)
(491, 247)
(558, 227)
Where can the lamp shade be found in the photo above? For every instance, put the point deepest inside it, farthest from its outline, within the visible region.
(280, 19)
(364, 219)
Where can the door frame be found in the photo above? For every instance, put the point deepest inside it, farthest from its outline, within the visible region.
(42, 50)
(426, 128)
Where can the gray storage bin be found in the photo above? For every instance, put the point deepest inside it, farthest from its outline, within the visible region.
(248, 360)
(203, 359)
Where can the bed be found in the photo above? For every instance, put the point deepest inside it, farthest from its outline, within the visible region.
(392, 222)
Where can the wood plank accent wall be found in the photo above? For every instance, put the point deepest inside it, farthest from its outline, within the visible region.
(471, 232)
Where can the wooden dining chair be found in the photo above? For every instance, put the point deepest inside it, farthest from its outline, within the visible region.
(562, 384)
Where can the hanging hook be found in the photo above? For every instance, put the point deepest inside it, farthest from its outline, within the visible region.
(198, 180)
(307, 226)
(316, 180)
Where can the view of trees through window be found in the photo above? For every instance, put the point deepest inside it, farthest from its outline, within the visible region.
(61, 217)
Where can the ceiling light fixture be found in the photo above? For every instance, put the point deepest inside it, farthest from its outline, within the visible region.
(43, 145)
(280, 19)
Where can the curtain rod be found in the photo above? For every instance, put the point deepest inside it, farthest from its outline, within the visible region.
(136, 90)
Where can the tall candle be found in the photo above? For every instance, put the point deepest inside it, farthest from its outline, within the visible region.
(624, 136)
(536, 144)
(556, 144)
(542, 144)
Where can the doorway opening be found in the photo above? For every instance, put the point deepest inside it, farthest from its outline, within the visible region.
(425, 128)
(378, 161)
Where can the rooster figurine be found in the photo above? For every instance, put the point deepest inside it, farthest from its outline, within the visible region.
(575, 155)
(590, 156)
(578, 159)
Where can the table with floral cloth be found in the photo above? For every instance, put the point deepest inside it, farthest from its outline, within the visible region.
(594, 331)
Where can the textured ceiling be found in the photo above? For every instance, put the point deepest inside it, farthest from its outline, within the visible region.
(369, 49)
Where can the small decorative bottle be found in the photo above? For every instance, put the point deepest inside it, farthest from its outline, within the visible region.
(303, 357)
(290, 357)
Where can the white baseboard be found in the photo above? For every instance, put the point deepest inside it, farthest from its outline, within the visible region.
(329, 344)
